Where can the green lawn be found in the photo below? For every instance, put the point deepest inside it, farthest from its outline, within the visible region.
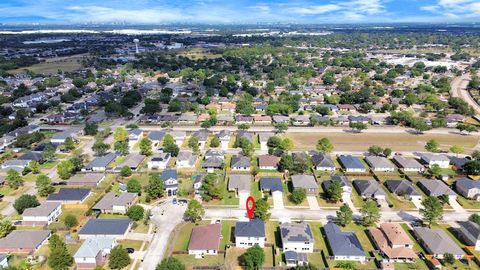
(227, 239)
(48, 165)
(467, 203)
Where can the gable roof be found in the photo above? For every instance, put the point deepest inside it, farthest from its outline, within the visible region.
(379, 162)
(240, 182)
(43, 209)
(205, 237)
(112, 199)
(132, 160)
(25, 239)
(304, 181)
(342, 243)
(296, 232)
(264, 136)
(409, 163)
(404, 187)
(240, 161)
(350, 162)
(251, 228)
(390, 235)
(271, 184)
(169, 174)
(201, 135)
(105, 226)
(429, 157)
(212, 162)
(340, 178)
(437, 241)
(368, 188)
(467, 184)
(102, 161)
(163, 156)
(323, 160)
(471, 227)
(93, 245)
(156, 135)
(85, 179)
(69, 194)
(435, 188)
(268, 160)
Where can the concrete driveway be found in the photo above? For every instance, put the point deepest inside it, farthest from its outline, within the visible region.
(417, 201)
(166, 223)
(312, 202)
(242, 199)
(277, 200)
(455, 205)
(348, 200)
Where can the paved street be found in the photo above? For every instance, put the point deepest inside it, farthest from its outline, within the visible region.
(459, 89)
(166, 223)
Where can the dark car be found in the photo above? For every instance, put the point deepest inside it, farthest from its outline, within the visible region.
(130, 250)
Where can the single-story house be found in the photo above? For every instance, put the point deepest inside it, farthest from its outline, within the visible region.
(344, 246)
(24, 241)
(116, 227)
(430, 159)
(263, 138)
(43, 214)
(116, 203)
(436, 188)
(293, 258)
(468, 188)
(345, 184)
(393, 242)
(159, 161)
(380, 164)
(250, 233)
(135, 134)
(408, 164)
(244, 134)
(61, 137)
(132, 161)
(202, 136)
(212, 163)
(205, 240)
(323, 162)
(15, 164)
(268, 162)
(156, 136)
(369, 189)
(297, 237)
(186, 159)
(306, 182)
(351, 164)
(469, 231)
(403, 188)
(94, 252)
(70, 195)
(90, 179)
(271, 184)
(100, 164)
(239, 183)
(240, 163)
(436, 242)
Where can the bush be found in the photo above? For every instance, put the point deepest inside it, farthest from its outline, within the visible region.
(71, 221)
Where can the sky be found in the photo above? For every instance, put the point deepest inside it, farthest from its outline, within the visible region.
(238, 11)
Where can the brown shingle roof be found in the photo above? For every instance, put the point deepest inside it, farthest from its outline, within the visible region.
(206, 237)
(267, 160)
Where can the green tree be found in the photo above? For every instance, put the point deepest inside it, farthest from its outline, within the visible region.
(69, 144)
(262, 209)
(65, 169)
(472, 167)
(14, 180)
(324, 145)
(357, 126)
(432, 210)
(253, 258)
(172, 148)
(25, 201)
(70, 221)
(281, 127)
(193, 144)
(90, 129)
(168, 140)
(370, 213)
(155, 186)
(298, 195)
(344, 215)
(457, 149)
(215, 142)
(121, 147)
(194, 211)
(210, 189)
(145, 146)
(119, 258)
(44, 185)
(134, 186)
(120, 134)
(35, 167)
(48, 152)
(286, 163)
(246, 146)
(135, 212)
(448, 258)
(170, 263)
(60, 258)
(100, 148)
(375, 150)
(432, 146)
(435, 170)
(6, 227)
(334, 191)
(125, 171)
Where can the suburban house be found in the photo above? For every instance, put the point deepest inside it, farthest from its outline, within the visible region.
(178, 137)
(323, 162)
(170, 182)
(250, 233)
(436, 188)
(33, 156)
(380, 164)
(403, 188)
(224, 137)
(94, 252)
(240, 183)
(469, 231)
(197, 182)
(202, 136)
(262, 119)
(344, 246)
(156, 136)
(263, 139)
(369, 189)
(351, 164)
(116, 228)
(100, 164)
(436, 242)
(345, 184)
(213, 162)
(271, 184)
(15, 164)
(132, 161)
(408, 164)
(205, 240)
(91, 179)
(281, 119)
(69, 195)
(43, 214)
(24, 241)
(430, 159)
(159, 161)
(293, 258)
(186, 159)
(116, 203)
(243, 119)
(468, 188)
(61, 137)
(135, 135)
(297, 237)
(240, 163)
(393, 242)
(244, 134)
(306, 182)
(268, 162)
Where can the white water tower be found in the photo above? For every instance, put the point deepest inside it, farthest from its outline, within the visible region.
(136, 41)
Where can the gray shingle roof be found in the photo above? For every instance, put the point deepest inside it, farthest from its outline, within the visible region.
(69, 194)
(404, 187)
(342, 243)
(340, 178)
(156, 135)
(435, 187)
(252, 228)
(404, 162)
(105, 227)
(240, 182)
(304, 181)
(368, 188)
(296, 232)
(93, 245)
(111, 199)
(201, 135)
(471, 227)
(350, 162)
(437, 241)
(271, 184)
(323, 160)
(24, 239)
(240, 162)
(44, 209)
(103, 161)
(379, 162)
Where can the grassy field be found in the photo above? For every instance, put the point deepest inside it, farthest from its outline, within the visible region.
(397, 142)
(50, 66)
(198, 53)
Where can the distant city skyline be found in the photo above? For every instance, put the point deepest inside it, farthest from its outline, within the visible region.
(240, 11)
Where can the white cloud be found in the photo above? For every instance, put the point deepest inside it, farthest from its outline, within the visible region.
(312, 10)
(355, 9)
(455, 8)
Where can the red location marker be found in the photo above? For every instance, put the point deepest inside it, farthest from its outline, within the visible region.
(250, 207)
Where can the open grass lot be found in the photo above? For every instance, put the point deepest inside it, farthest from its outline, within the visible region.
(50, 66)
(198, 53)
(397, 142)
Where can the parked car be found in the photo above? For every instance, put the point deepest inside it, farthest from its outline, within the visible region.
(130, 250)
